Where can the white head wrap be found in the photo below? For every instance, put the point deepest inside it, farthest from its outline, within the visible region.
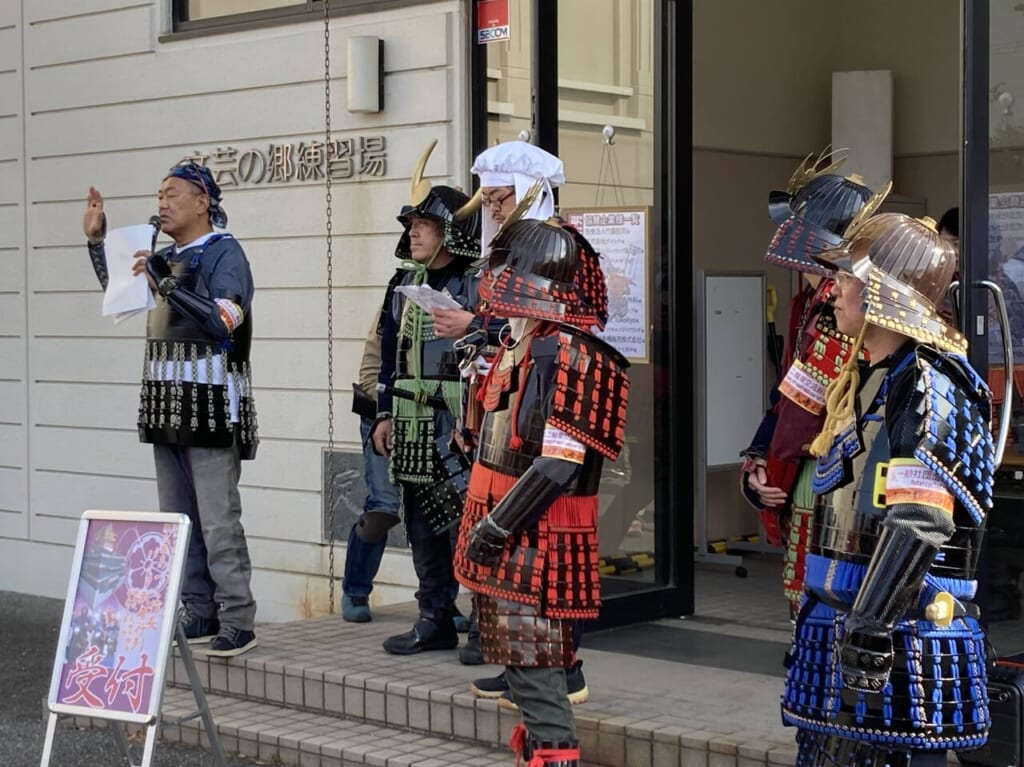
(518, 164)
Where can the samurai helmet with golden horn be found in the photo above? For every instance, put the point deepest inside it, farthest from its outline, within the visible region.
(813, 213)
(445, 204)
(906, 268)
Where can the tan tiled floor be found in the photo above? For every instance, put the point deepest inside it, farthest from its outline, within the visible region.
(643, 711)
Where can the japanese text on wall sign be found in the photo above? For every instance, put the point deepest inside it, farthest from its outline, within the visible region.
(342, 159)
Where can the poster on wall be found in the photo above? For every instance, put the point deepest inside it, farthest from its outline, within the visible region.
(492, 21)
(119, 615)
(620, 236)
(1006, 268)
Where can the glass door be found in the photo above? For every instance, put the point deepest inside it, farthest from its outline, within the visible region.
(603, 99)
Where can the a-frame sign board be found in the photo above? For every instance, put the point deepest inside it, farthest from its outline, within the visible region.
(120, 614)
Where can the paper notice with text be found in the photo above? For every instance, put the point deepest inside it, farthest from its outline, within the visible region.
(126, 294)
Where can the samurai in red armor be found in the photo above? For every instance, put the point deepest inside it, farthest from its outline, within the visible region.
(554, 407)
(812, 215)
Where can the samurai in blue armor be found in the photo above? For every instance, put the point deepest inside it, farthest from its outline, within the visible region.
(887, 667)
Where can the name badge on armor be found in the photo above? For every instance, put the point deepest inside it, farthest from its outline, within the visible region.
(910, 481)
(558, 444)
(804, 389)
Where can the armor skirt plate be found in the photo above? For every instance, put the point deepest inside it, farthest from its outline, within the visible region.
(552, 566)
(514, 634)
(935, 698)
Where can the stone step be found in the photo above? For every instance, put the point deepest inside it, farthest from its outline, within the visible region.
(326, 668)
(298, 738)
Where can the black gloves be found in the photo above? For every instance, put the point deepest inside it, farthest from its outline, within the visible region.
(160, 272)
(521, 507)
(486, 543)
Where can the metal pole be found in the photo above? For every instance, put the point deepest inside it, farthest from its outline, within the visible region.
(974, 216)
(974, 183)
(122, 744)
(674, 120)
(478, 85)
(200, 696)
(51, 728)
(545, 74)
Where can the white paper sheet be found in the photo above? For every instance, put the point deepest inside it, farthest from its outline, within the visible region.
(427, 298)
(126, 295)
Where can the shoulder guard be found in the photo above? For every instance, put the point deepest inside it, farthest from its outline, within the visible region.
(956, 439)
(591, 391)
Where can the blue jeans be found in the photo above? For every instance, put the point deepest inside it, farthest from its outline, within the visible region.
(362, 559)
(202, 482)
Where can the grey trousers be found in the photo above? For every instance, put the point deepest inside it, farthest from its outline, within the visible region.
(543, 700)
(202, 482)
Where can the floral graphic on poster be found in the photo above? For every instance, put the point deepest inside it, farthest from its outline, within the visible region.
(114, 635)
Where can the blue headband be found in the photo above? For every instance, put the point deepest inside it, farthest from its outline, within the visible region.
(201, 177)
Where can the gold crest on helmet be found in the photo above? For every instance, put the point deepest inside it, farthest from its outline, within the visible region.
(808, 171)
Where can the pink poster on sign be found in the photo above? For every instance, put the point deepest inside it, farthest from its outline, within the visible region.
(120, 613)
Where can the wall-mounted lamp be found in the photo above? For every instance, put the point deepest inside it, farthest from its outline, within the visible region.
(1005, 100)
(365, 74)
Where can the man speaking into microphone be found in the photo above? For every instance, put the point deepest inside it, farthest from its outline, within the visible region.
(196, 406)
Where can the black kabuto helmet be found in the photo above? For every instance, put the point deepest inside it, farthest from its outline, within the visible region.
(458, 214)
(540, 269)
(813, 213)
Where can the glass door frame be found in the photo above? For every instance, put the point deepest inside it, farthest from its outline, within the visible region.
(974, 182)
(672, 594)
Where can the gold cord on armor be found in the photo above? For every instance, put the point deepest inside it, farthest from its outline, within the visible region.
(839, 398)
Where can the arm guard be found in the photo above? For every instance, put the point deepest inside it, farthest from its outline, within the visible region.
(521, 507)
(387, 330)
(956, 440)
(892, 581)
(591, 392)
(98, 256)
(218, 317)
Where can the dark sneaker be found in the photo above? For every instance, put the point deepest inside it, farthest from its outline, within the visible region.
(461, 621)
(231, 641)
(198, 630)
(355, 609)
(472, 653)
(427, 634)
(490, 687)
(574, 681)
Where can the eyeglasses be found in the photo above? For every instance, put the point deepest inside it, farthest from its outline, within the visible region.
(495, 203)
(846, 281)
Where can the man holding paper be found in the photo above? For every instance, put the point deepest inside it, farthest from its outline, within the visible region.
(420, 396)
(196, 406)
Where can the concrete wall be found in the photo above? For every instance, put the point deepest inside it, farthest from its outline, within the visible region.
(91, 95)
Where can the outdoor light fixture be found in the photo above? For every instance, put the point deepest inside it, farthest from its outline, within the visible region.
(365, 74)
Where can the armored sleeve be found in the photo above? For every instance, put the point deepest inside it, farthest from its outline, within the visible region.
(227, 274)
(591, 391)
(387, 329)
(941, 455)
(98, 258)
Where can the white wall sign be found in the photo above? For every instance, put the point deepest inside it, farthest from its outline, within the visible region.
(619, 235)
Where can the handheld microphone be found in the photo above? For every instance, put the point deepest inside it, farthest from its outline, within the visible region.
(154, 221)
